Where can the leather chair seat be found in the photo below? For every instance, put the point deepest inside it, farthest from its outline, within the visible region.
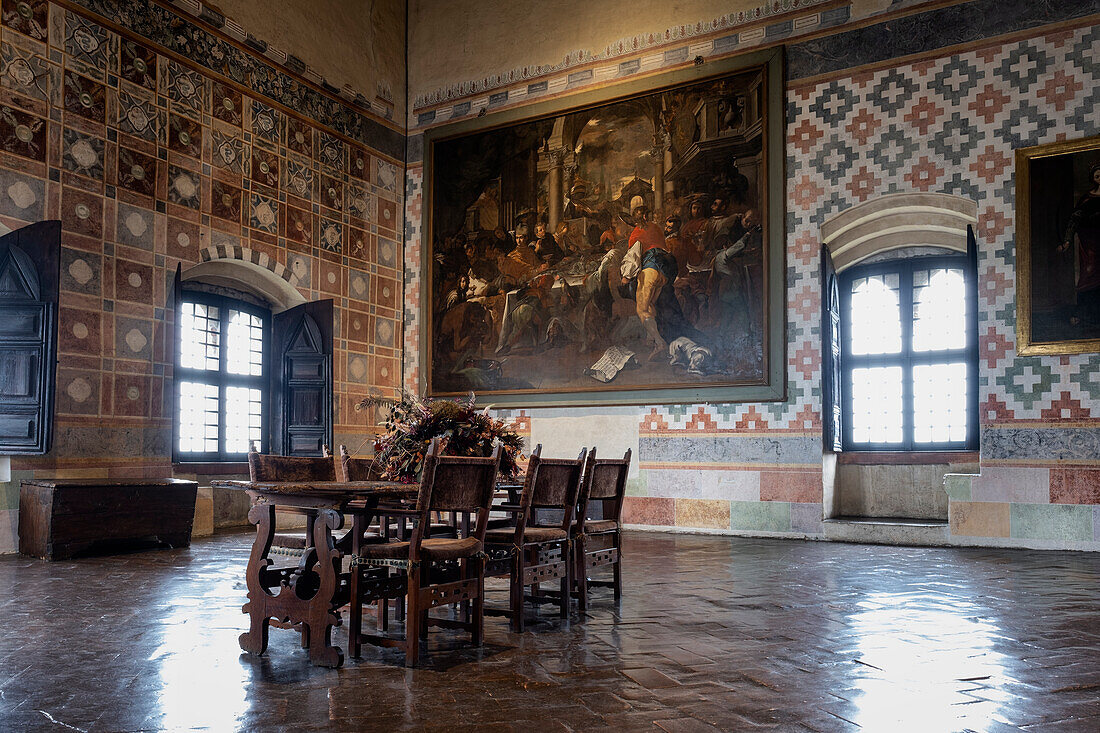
(530, 534)
(433, 548)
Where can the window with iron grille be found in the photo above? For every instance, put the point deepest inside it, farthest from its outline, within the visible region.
(220, 378)
(909, 355)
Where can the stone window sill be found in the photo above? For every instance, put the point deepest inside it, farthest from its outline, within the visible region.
(906, 458)
(211, 468)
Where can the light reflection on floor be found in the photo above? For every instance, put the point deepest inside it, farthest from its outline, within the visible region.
(919, 657)
(200, 688)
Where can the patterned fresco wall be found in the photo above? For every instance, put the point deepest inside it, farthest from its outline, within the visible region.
(944, 123)
(950, 125)
(151, 160)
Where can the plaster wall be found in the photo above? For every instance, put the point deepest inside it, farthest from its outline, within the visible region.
(452, 42)
(360, 43)
(930, 99)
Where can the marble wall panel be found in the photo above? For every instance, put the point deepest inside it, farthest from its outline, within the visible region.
(979, 519)
(1024, 485)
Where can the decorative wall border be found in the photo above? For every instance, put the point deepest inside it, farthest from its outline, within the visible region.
(293, 64)
(901, 29)
(934, 29)
(627, 46)
(246, 254)
(150, 23)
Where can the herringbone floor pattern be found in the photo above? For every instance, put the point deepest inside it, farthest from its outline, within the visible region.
(713, 632)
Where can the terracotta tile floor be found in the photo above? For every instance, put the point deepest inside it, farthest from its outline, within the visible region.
(713, 632)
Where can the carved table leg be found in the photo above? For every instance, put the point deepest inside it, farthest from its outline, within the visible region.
(254, 640)
(355, 622)
(320, 613)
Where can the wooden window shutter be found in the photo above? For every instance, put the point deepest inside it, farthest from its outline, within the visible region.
(831, 373)
(301, 379)
(971, 276)
(175, 306)
(29, 275)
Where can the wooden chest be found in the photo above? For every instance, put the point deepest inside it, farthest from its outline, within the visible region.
(61, 518)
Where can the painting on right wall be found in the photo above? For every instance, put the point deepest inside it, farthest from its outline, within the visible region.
(1058, 273)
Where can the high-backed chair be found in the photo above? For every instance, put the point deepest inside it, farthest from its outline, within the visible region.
(350, 468)
(270, 467)
(357, 469)
(598, 542)
(287, 469)
(366, 469)
(539, 553)
(435, 571)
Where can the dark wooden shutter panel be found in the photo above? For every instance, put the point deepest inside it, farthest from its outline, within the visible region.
(29, 275)
(831, 374)
(301, 379)
(971, 275)
(175, 306)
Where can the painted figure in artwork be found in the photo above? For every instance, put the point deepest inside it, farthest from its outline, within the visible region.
(650, 260)
(652, 265)
(737, 267)
(1083, 237)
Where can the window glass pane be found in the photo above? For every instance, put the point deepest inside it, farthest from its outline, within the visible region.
(876, 405)
(939, 309)
(244, 344)
(242, 418)
(198, 418)
(875, 315)
(200, 332)
(939, 403)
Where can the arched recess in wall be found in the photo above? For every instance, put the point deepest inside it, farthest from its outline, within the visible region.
(898, 221)
(891, 226)
(241, 274)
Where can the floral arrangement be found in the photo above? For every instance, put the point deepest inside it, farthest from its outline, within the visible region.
(413, 422)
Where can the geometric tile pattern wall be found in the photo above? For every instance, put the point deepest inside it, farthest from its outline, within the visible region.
(950, 125)
(216, 44)
(414, 204)
(946, 124)
(381, 105)
(150, 162)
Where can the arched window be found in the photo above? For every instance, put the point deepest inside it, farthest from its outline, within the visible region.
(900, 325)
(909, 360)
(221, 377)
(253, 364)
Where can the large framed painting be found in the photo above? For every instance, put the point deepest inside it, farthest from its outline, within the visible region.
(623, 246)
(1058, 248)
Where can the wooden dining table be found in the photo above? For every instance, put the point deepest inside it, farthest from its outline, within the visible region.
(308, 595)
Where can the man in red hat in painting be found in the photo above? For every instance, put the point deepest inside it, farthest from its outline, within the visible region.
(649, 261)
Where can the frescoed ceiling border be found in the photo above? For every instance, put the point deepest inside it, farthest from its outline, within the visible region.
(247, 64)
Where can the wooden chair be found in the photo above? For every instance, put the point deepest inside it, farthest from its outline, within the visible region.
(357, 469)
(598, 542)
(366, 469)
(434, 571)
(538, 553)
(269, 467)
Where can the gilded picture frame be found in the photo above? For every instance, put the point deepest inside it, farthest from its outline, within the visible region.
(544, 281)
(1058, 248)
